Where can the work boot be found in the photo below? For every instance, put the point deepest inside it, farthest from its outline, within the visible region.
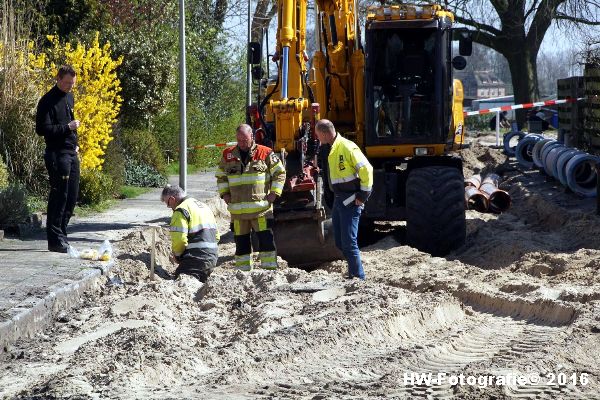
(268, 260)
(243, 262)
(58, 248)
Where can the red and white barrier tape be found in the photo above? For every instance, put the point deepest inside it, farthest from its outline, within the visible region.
(526, 105)
(207, 146)
(466, 114)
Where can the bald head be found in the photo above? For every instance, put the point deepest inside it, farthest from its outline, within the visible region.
(243, 135)
(325, 131)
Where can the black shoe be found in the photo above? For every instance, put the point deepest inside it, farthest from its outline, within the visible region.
(348, 276)
(58, 249)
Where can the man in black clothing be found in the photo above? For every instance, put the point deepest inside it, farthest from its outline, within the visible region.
(504, 122)
(56, 122)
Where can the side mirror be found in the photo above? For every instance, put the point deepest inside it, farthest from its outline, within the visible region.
(459, 63)
(465, 44)
(254, 53)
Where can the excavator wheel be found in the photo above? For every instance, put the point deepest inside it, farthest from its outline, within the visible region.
(435, 219)
(305, 242)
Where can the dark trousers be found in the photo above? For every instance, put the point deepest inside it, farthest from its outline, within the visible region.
(63, 170)
(199, 263)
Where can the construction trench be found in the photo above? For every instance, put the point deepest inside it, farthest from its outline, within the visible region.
(519, 301)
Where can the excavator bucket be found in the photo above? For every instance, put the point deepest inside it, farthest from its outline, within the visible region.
(305, 242)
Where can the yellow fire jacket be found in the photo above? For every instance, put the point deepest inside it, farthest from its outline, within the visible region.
(193, 228)
(248, 184)
(350, 173)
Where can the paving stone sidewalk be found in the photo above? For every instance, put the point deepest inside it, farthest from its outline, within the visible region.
(35, 283)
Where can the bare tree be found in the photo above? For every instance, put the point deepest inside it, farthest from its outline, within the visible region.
(516, 29)
(263, 14)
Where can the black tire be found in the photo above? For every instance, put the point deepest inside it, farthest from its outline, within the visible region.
(435, 209)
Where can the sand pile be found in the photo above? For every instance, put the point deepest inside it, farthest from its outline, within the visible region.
(519, 299)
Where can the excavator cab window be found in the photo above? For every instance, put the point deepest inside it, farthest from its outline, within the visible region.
(406, 82)
(402, 90)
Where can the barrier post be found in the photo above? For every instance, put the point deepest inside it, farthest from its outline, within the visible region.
(497, 128)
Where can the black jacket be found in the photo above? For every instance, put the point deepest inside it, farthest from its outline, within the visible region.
(54, 112)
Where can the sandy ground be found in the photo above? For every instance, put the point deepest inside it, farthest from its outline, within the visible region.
(512, 314)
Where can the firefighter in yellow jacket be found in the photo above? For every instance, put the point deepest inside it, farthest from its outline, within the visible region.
(194, 234)
(250, 177)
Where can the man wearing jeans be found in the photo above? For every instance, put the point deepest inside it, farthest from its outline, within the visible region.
(351, 180)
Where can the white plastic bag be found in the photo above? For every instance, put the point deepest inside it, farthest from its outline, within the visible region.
(105, 251)
(72, 252)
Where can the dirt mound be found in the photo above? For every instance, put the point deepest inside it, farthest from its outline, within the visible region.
(478, 159)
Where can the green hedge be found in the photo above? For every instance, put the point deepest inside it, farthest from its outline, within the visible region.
(94, 187)
(141, 146)
(13, 205)
(3, 175)
(142, 175)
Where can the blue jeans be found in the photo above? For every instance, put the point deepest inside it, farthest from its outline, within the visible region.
(345, 230)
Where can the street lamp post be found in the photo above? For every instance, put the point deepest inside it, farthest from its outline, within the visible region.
(182, 100)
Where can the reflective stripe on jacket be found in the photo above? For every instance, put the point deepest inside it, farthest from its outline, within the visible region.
(249, 184)
(350, 173)
(193, 226)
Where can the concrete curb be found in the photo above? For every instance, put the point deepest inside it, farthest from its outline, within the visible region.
(33, 314)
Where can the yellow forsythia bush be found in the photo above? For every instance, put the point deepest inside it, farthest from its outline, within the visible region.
(97, 100)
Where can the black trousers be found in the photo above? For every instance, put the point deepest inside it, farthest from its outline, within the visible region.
(198, 263)
(63, 170)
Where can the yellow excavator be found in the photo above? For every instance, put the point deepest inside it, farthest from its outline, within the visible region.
(387, 87)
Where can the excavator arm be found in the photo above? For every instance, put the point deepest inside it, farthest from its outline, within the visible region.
(295, 101)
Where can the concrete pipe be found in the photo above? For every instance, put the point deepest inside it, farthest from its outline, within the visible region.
(506, 139)
(581, 174)
(537, 152)
(498, 199)
(547, 149)
(475, 199)
(561, 163)
(524, 150)
(552, 159)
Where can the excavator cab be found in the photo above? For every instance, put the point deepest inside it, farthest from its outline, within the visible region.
(402, 103)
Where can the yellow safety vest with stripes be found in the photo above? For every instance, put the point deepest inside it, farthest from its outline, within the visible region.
(193, 228)
(350, 173)
(248, 184)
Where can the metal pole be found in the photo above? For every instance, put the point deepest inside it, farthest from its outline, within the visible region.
(182, 100)
(266, 31)
(284, 72)
(248, 72)
(497, 128)
(355, 6)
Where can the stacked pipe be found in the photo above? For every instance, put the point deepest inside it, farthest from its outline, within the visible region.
(574, 168)
(484, 195)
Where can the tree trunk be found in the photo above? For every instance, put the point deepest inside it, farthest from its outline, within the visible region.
(263, 14)
(524, 80)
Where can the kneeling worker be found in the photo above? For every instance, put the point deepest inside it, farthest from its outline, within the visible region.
(194, 234)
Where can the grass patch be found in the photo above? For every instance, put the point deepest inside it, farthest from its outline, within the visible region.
(173, 168)
(37, 203)
(86, 211)
(129, 192)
